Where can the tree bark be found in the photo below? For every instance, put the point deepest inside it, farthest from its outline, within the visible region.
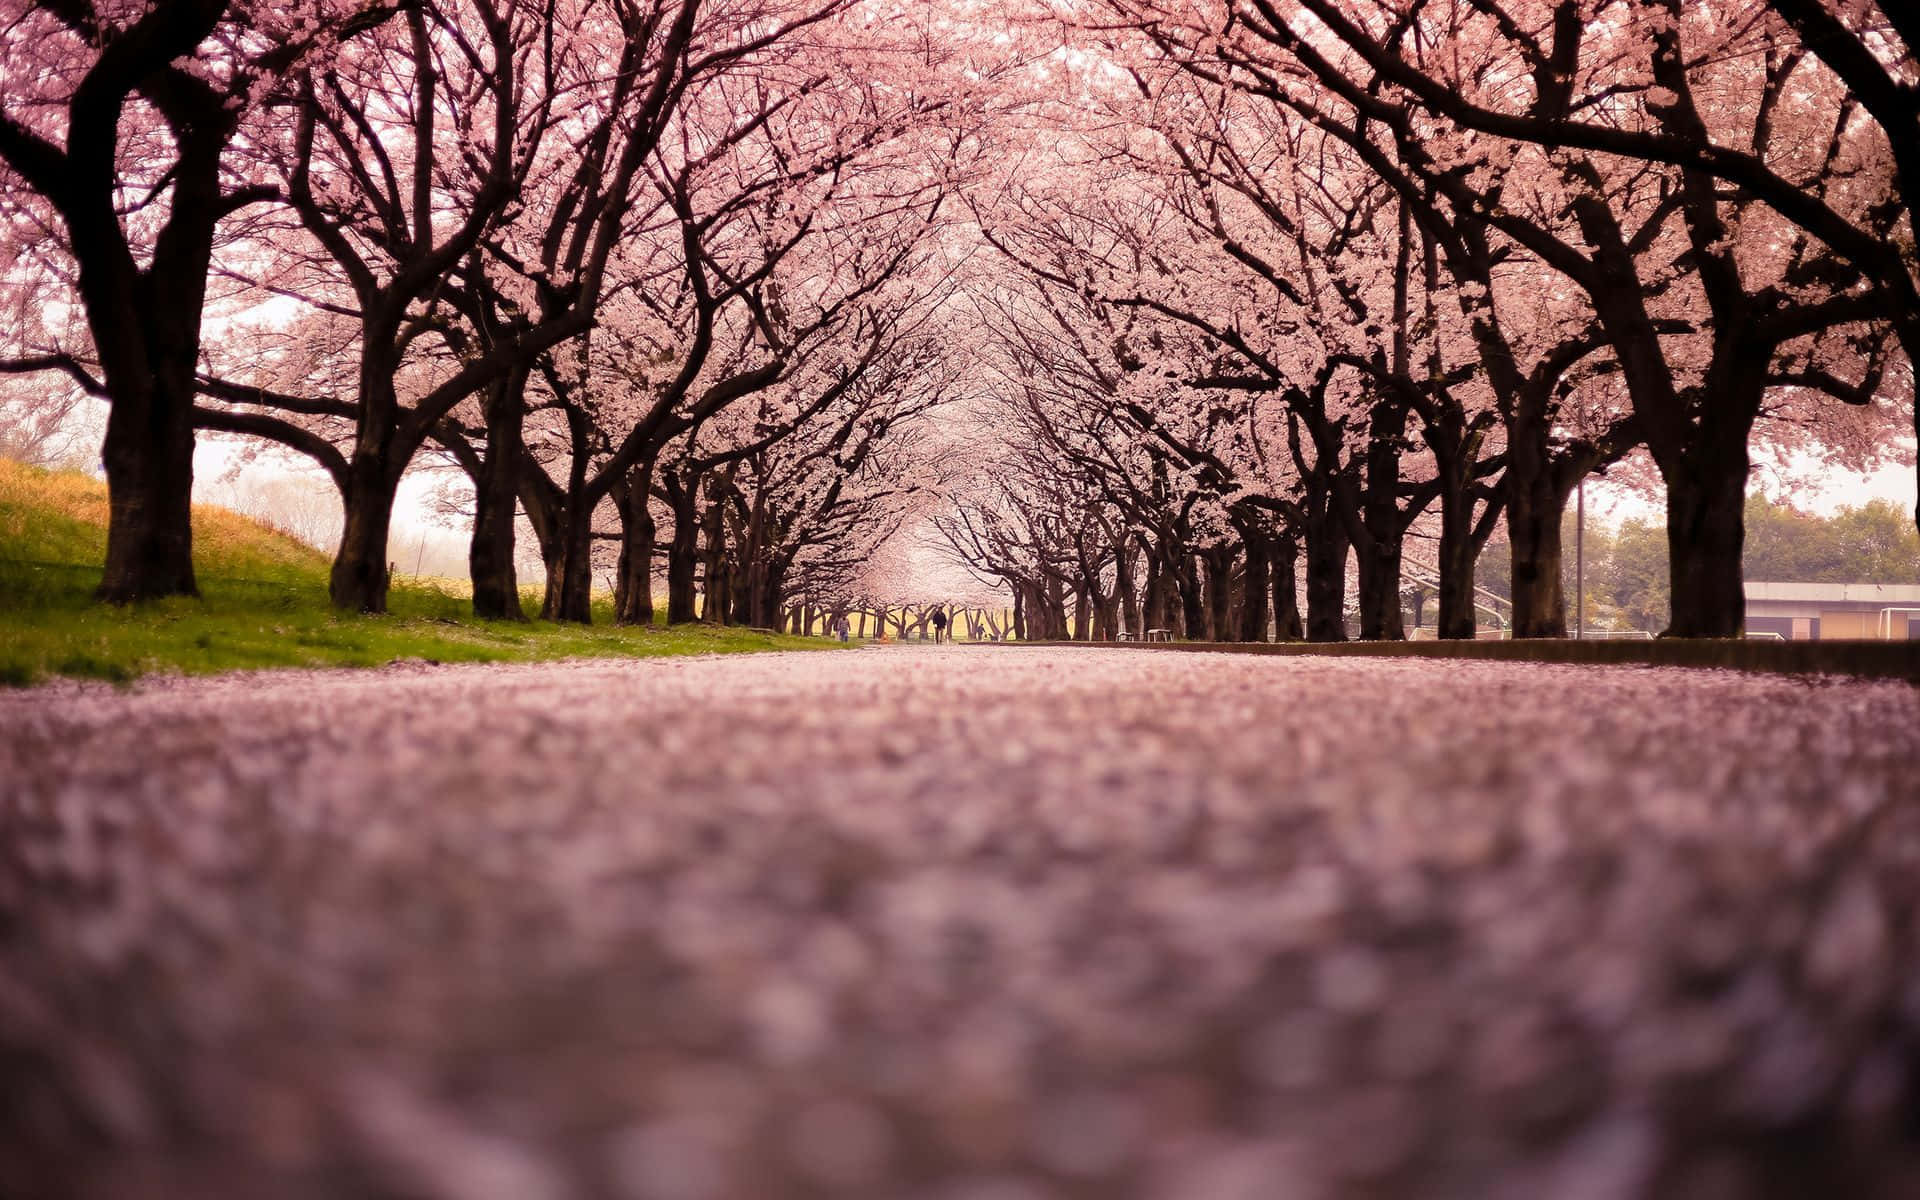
(1125, 587)
(754, 561)
(1379, 576)
(1254, 612)
(361, 572)
(1456, 446)
(1054, 611)
(633, 588)
(1706, 532)
(1327, 547)
(1457, 619)
(1218, 565)
(771, 595)
(148, 455)
(573, 600)
(718, 593)
(570, 588)
(1534, 511)
(1535, 503)
(496, 586)
(1157, 609)
(1457, 553)
(1287, 626)
(1193, 607)
(682, 548)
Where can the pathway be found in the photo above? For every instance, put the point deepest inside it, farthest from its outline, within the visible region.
(962, 924)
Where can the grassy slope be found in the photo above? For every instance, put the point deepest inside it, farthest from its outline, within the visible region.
(263, 604)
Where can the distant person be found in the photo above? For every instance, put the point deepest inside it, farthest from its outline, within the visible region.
(841, 627)
(939, 625)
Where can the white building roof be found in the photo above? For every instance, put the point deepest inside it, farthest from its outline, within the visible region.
(1841, 593)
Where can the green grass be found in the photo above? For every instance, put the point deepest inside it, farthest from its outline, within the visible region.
(263, 604)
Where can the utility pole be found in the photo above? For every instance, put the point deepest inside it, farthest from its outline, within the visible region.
(1580, 561)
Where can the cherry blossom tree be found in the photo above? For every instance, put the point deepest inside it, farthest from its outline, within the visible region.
(798, 280)
(1767, 309)
(1246, 297)
(1278, 289)
(116, 128)
(409, 172)
(1866, 56)
(582, 213)
(810, 511)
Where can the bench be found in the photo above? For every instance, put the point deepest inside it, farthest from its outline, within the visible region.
(1159, 635)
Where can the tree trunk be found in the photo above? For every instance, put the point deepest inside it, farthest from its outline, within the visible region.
(1254, 584)
(1539, 598)
(633, 590)
(361, 572)
(715, 567)
(148, 455)
(740, 603)
(1706, 531)
(1535, 505)
(573, 599)
(570, 589)
(771, 594)
(682, 552)
(1123, 584)
(1327, 547)
(1457, 552)
(1155, 614)
(1218, 563)
(146, 327)
(1286, 590)
(749, 580)
(496, 586)
(1379, 577)
(1193, 607)
(682, 569)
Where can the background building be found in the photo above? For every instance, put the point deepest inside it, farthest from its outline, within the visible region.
(1815, 611)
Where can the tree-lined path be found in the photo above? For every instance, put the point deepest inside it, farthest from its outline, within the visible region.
(1209, 320)
(1151, 315)
(963, 924)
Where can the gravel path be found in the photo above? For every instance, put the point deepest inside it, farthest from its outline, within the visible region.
(962, 924)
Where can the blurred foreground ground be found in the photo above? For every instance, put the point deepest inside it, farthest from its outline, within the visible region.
(962, 924)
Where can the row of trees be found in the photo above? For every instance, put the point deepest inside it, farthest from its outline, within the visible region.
(1239, 294)
(1298, 280)
(665, 278)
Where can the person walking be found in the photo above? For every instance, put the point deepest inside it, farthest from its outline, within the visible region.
(939, 625)
(841, 627)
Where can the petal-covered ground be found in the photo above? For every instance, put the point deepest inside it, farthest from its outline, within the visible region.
(962, 924)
